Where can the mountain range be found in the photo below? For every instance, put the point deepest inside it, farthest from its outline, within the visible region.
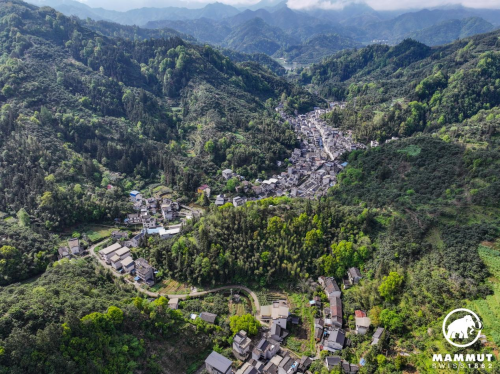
(306, 36)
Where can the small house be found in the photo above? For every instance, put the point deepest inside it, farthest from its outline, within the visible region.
(265, 349)
(362, 322)
(304, 363)
(144, 271)
(332, 361)
(220, 200)
(348, 368)
(63, 252)
(335, 341)
(277, 332)
(378, 336)
(241, 345)
(288, 365)
(128, 264)
(74, 246)
(208, 317)
(123, 252)
(108, 252)
(116, 262)
(227, 174)
(167, 234)
(336, 311)
(218, 364)
(204, 188)
(238, 201)
(118, 235)
(354, 275)
(173, 303)
(135, 196)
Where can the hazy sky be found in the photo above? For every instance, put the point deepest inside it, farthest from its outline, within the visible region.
(294, 4)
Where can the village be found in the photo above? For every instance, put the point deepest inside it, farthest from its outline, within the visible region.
(267, 352)
(269, 355)
(311, 169)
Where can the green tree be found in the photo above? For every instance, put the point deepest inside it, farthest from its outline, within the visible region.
(390, 285)
(391, 320)
(245, 322)
(10, 264)
(231, 185)
(23, 218)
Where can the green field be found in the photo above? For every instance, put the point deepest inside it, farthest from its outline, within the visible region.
(489, 308)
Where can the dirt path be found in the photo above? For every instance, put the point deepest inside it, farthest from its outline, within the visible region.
(192, 294)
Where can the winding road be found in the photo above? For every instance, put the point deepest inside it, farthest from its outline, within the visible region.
(252, 294)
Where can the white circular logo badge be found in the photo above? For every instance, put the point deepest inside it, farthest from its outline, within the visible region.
(465, 326)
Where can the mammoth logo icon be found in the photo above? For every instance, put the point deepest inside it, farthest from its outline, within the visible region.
(467, 328)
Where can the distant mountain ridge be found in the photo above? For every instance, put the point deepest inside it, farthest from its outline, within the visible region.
(271, 27)
(448, 31)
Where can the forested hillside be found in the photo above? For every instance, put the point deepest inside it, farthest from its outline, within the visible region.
(78, 107)
(409, 88)
(75, 318)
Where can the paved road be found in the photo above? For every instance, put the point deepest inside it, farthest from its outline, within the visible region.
(157, 294)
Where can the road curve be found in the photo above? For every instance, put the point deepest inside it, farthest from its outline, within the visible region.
(252, 294)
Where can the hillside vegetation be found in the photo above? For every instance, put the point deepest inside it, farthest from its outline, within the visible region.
(78, 107)
(409, 88)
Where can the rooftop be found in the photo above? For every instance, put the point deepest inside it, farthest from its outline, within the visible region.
(218, 361)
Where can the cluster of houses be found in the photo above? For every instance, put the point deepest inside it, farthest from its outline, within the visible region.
(120, 259)
(268, 357)
(328, 330)
(73, 249)
(150, 212)
(316, 163)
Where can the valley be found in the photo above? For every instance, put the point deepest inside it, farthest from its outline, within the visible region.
(247, 189)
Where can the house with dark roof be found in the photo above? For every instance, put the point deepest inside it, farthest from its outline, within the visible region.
(336, 311)
(348, 368)
(218, 364)
(128, 264)
(277, 332)
(117, 235)
(304, 363)
(377, 336)
(63, 252)
(75, 248)
(332, 361)
(354, 275)
(265, 349)
(242, 345)
(335, 341)
(208, 317)
(144, 271)
(288, 365)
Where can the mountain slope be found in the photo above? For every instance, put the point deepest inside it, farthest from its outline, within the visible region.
(256, 36)
(317, 48)
(203, 29)
(448, 31)
(409, 88)
(78, 107)
(399, 27)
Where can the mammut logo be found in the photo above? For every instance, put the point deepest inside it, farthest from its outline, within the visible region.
(466, 328)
